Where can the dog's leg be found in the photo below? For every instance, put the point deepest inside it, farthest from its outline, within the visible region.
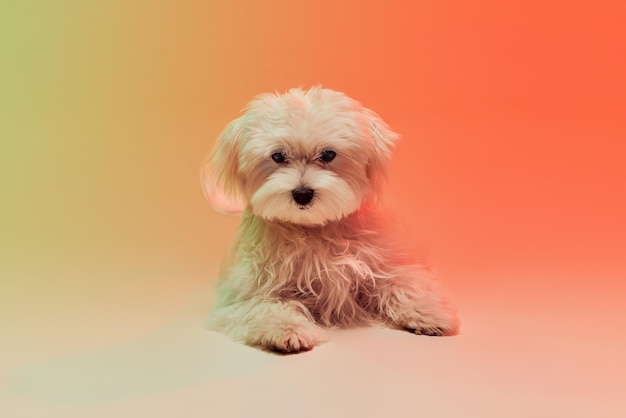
(284, 326)
(413, 301)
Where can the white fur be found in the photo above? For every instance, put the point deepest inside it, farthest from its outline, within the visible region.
(333, 262)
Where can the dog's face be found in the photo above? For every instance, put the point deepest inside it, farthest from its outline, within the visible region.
(304, 157)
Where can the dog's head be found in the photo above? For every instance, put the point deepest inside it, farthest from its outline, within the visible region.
(306, 157)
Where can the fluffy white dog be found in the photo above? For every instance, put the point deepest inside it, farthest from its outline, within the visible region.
(313, 252)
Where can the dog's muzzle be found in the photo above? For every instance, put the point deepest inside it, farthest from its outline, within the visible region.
(302, 196)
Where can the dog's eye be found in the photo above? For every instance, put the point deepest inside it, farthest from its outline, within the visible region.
(328, 155)
(279, 157)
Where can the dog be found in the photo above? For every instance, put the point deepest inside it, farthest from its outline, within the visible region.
(314, 250)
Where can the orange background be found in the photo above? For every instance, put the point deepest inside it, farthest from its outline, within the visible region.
(512, 158)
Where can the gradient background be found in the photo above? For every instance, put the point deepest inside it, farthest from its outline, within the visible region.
(512, 161)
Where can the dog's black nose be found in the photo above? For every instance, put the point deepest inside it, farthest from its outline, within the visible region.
(302, 196)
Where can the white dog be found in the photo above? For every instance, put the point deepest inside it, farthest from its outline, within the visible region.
(313, 251)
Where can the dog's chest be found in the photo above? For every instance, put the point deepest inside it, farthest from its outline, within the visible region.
(333, 279)
(313, 263)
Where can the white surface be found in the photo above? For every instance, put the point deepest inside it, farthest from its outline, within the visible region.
(151, 357)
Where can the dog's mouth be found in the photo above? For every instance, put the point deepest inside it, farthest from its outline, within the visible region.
(307, 207)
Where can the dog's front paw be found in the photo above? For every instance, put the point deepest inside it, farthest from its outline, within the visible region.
(433, 331)
(434, 324)
(291, 340)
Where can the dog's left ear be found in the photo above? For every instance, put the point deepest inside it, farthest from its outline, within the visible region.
(383, 141)
(220, 173)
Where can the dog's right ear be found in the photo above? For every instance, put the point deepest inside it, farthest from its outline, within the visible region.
(220, 173)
